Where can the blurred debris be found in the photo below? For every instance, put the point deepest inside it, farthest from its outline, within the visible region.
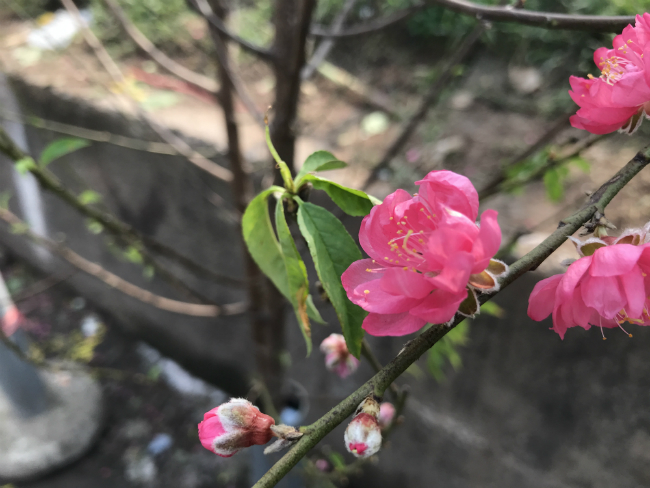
(58, 30)
(159, 444)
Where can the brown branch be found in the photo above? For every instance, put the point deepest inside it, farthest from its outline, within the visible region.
(292, 19)
(112, 224)
(546, 20)
(327, 44)
(222, 55)
(455, 59)
(196, 79)
(266, 305)
(559, 126)
(367, 28)
(217, 23)
(118, 77)
(100, 135)
(118, 283)
(552, 162)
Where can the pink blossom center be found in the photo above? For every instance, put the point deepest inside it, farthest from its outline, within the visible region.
(358, 447)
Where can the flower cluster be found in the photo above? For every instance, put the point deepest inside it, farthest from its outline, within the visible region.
(607, 286)
(337, 356)
(619, 98)
(233, 426)
(425, 249)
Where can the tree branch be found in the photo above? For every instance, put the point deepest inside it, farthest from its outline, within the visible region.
(222, 55)
(367, 28)
(114, 71)
(264, 54)
(418, 346)
(196, 79)
(546, 20)
(114, 281)
(326, 45)
(116, 227)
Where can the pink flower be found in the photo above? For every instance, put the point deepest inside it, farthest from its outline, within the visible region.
(607, 286)
(424, 250)
(620, 97)
(12, 320)
(386, 414)
(363, 434)
(234, 425)
(337, 356)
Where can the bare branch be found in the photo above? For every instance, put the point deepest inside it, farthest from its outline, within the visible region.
(455, 59)
(118, 283)
(367, 28)
(546, 20)
(326, 45)
(114, 71)
(418, 346)
(210, 16)
(158, 56)
(222, 54)
(113, 225)
(100, 135)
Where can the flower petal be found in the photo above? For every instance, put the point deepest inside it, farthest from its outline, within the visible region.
(392, 324)
(542, 299)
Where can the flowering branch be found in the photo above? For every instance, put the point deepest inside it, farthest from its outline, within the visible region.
(418, 346)
(546, 20)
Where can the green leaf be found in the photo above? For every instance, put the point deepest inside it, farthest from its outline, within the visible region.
(19, 228)
(352, 202)
(5, 196)
(491, 308)
(553, 184)
(89, 197)
(60, 148)
(132, 254)
(318, 161)
(581, 163)
(94, 227)
(333, 251)
(261, 241)
(285, 172)
(296, 275)
(25, 165)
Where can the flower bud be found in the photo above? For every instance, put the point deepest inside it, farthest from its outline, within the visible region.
(234, 425)
(363, 435)
(386, 414)
(337, 356)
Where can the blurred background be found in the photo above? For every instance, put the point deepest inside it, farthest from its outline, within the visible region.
(146, 112)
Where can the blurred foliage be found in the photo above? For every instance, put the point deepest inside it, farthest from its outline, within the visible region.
(446, 350)
(163, 22)
(31, 8)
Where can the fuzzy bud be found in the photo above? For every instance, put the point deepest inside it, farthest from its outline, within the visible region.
(337, 356)
(234, 425)
(363, 435)
(386, 414)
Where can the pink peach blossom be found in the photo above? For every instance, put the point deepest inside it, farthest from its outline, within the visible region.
(386, 414)
(607, 286)
(619, 98)
(337, 356)
(233, 426)
(424, 250)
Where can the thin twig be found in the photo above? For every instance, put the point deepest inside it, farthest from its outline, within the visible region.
(368, 27)
(546, 20)
(100, 135)
(455, 59)
(196, 79)
(120, 284)
(327, 44)
(235, 81)
(260, 52)
(559, 126)
(552, 162)
(418, 346)
(114, 71)
(112, 224)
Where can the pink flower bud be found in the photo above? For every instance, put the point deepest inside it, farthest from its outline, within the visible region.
(363, 435)
(337, 356)
(234, 425)
(386, 414)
